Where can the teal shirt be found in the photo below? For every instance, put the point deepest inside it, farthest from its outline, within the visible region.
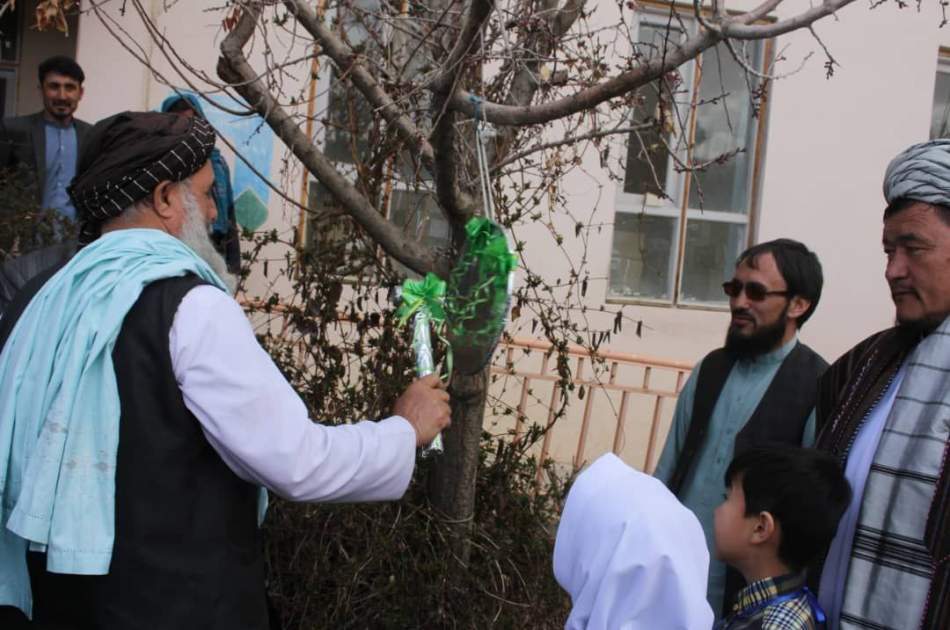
(704, 489)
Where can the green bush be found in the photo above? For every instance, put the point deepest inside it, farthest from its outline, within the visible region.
(388, 565)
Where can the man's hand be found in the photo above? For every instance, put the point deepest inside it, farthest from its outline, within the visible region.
(425, 404)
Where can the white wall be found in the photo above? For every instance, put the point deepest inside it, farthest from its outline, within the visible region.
(828, 145)
(828, 142)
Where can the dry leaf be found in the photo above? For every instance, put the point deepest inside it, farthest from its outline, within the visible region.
(52, 13)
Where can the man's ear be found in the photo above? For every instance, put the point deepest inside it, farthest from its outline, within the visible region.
(764, 529)
(798, 306)
(159, 200)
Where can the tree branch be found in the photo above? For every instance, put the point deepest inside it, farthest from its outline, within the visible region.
(570, 140)
(525, 84)
(347, 62)
(458, 205)
(741, 27)
(234, 68)
(588, 97)
(478, 12)
(738, 27)
(760, 12)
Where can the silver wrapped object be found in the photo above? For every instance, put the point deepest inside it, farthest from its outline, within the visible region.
(422, 345)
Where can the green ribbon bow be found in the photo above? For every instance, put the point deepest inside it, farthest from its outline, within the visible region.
(426, 296)
(428, 293)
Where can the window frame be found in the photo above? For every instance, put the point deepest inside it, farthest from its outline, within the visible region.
(943, 67)
(321, 85)
(657, 14)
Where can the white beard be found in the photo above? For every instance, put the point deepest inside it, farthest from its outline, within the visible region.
(195, 234)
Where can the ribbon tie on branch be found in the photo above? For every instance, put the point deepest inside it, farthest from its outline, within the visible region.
(428, 293)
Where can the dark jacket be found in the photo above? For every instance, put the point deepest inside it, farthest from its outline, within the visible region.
(187, 551)
(23, 147)
(847, 393)
(16, 273)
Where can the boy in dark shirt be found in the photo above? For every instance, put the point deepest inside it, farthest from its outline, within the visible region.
(781, 511)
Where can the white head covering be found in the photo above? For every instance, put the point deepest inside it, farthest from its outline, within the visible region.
(920, 173)
(629, 554)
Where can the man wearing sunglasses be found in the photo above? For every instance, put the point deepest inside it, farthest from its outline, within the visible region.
(759, 389)
(884, 410)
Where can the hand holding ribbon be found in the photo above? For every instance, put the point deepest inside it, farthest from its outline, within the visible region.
(423, 301)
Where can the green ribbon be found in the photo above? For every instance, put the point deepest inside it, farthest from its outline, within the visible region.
(486, 250)
(428, 293)
(487, 244)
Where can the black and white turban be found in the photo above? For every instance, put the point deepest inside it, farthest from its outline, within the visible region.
(127, 155)
(920, 173)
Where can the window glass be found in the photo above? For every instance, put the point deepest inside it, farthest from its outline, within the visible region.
(723, 125)
(940, 119)
(710, 257)
(640, 262)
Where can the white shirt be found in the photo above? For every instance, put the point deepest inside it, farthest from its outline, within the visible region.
(834, 574)
(259, 425)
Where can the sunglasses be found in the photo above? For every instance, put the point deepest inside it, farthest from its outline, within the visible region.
(755, 291)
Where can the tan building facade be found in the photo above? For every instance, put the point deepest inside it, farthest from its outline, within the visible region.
(811, 169)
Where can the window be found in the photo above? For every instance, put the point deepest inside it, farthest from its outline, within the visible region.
(347, 110)
(940, 118)
(677, 234)
(10, 35)
(349, 138)
(330, 228)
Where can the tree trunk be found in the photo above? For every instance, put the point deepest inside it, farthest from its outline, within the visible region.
(452, 484)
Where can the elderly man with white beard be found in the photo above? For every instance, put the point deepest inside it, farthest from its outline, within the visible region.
(140, 421)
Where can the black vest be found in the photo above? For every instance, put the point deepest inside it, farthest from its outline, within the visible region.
(187, 551)
(779, 418)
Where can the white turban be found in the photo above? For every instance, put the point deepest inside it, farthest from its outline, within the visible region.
(920, 173)
(629, 554)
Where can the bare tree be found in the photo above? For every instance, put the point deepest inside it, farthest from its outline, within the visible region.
(409, 80)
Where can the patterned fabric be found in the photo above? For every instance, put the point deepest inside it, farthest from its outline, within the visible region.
(892, 557)
(127, 156)
(780, 603)
(860, 457)
(921, 173)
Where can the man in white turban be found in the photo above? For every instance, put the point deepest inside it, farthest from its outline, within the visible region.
(884, 411)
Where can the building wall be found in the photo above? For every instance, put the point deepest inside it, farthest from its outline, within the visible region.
(828, 142)
(827, 145)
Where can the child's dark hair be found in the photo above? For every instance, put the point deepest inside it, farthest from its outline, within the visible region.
(803, 489)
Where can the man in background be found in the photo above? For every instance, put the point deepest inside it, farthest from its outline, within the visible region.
(758, 390)
(42, 149)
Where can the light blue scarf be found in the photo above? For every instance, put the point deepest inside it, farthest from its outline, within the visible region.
(59, 406)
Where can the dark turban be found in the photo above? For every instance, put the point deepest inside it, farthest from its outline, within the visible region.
(920, 173)
(127, 155)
